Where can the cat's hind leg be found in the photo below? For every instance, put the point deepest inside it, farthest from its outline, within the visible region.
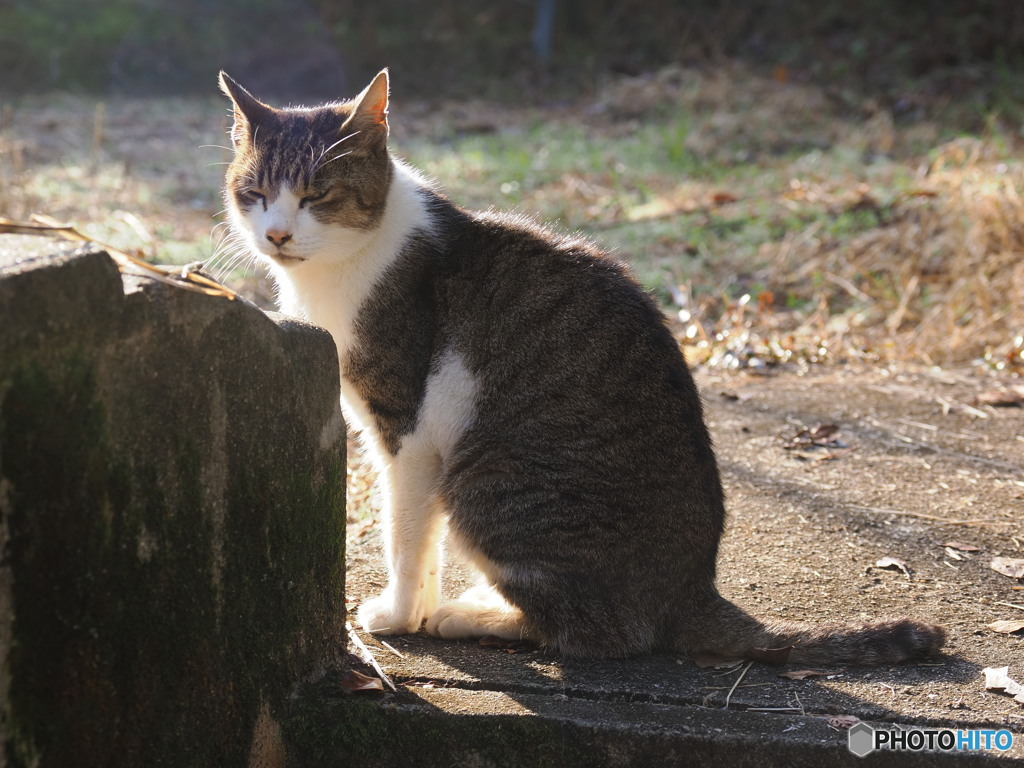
(479, 612)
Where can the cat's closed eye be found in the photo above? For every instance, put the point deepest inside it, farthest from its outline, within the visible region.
(316, 196)
(249, 196)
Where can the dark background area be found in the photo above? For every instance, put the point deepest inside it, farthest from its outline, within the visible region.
(535, 50)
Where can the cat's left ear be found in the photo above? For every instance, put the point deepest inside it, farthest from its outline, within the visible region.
(370, 108)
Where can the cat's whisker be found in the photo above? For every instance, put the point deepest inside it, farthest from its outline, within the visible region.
(318, 163)
(339, 141)
(328, 162)
(236, 258)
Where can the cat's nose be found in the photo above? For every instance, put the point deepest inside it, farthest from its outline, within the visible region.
(278, 236)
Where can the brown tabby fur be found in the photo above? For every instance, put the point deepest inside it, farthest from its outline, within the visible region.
(587, 475)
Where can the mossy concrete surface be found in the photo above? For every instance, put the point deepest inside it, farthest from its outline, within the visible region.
(172, 473)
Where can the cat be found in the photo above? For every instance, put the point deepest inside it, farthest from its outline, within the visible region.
(516, 386)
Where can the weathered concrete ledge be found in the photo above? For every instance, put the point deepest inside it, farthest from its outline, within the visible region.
(172, 475)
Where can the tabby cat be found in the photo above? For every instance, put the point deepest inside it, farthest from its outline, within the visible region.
(517, 385)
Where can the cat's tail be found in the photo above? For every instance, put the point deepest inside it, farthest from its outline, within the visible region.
(725, 630)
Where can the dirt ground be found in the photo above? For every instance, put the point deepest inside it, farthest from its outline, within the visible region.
(917, 468)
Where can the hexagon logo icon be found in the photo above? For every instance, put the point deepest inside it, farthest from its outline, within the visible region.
(861, 739)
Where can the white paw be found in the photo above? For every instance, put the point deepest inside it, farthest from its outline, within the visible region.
(381, 616)
(388, 615)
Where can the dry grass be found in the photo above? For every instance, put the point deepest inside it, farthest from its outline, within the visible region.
(779, 222)
(933, 271)
(785, 221)
(939, 279)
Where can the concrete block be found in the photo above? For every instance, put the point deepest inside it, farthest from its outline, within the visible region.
(172, 516)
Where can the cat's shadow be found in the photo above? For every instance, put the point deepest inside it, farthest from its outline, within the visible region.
(522, 674)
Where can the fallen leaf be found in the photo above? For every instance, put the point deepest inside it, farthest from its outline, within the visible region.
(1007, 627)
(1002, 398)
(997, 679)
(893, 563)
(962, 547)
(711, 661)
(722, 198)
(823, 434)
(842, 722)
(356, 681)
(801, 674)
(1009, 566)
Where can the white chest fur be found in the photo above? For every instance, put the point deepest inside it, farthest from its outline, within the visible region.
(341, 269)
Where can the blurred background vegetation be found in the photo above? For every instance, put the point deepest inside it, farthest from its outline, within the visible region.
(797, 181)
(535, 48)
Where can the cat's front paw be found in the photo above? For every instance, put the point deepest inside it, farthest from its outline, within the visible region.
(382, 615)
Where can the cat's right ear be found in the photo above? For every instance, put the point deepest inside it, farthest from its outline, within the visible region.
(249, 111)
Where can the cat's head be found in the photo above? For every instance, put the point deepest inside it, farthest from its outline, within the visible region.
(308, 184)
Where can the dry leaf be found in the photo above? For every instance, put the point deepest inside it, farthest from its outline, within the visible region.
(1007, 627)
(801, 674)
(842, 722)
(1009, 566)
(356, 681)
(823, 434)
(892, 562)
(997, 679)
(962, 547)
(1002, 398)
(711, 661)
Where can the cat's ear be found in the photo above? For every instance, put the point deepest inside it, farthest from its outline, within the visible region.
(249, 111)
(369, 113)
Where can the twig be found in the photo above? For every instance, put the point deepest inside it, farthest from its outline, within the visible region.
(394, 650)
(776, 709)
(923, 516)
(726, 687)
(947, 406)
(368, 657)
(739, 679)
(47, 225)
(847, 286)
(799, 704)
(1010, 605)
